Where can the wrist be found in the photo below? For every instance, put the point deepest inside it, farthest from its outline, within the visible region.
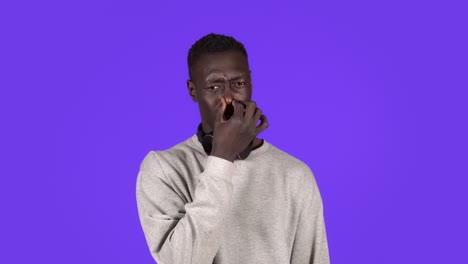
(223, 155)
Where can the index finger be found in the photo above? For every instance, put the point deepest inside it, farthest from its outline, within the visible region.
(250, 109)
(263, 125)
(238, 109)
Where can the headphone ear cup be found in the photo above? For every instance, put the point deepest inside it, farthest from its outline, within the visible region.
(245, 153)
(205, 139)
(207, 143)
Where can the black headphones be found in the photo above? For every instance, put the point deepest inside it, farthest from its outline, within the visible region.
(207, 142)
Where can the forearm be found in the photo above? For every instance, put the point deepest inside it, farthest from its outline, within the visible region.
(194, 236)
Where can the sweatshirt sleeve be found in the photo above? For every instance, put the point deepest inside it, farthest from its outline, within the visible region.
(310, 242)
(178, 232)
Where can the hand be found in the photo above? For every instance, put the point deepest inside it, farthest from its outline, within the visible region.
(230, 137)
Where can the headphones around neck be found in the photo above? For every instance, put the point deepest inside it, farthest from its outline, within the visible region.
(206, 139)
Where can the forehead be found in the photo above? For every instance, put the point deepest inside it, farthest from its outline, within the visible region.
(226, 63)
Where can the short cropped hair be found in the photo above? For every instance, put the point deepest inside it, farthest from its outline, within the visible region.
(212, 43)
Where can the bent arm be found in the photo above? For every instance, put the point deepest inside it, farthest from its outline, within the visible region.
(179, 232)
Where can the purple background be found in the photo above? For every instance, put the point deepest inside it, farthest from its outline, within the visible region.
(370, 94)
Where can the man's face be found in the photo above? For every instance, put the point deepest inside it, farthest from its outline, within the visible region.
(217, 76)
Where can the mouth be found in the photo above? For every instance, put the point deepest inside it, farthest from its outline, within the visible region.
(228, 112)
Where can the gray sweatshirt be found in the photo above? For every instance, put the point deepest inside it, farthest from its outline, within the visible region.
(202, 209)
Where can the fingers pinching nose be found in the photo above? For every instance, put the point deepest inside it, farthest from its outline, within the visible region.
(223, 105)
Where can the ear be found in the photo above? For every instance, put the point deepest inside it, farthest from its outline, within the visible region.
(191, 90)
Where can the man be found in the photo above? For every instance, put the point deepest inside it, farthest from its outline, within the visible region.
(224, 195)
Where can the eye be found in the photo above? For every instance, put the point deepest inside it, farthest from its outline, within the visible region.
(213, 87)
(241, 84)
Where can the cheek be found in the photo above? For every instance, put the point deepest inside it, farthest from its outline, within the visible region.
(208, 105)
(210, 101)
(244, 95)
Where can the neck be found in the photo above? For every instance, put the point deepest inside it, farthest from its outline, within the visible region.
(257, 143)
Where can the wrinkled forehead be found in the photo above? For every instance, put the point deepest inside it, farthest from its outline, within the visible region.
(227, 64)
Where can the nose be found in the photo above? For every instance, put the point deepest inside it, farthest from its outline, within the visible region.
(228, 95)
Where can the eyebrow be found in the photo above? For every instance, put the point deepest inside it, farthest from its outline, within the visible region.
(220, 79)
(215, 80)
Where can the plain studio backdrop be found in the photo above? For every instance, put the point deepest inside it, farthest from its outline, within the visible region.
(372, 95)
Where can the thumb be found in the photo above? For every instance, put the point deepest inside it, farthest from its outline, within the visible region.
(221, 109)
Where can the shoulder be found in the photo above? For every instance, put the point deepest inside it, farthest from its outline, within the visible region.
(307, 183)
(293, 168)
(180, 153)
(295, 173)
(285, 160)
